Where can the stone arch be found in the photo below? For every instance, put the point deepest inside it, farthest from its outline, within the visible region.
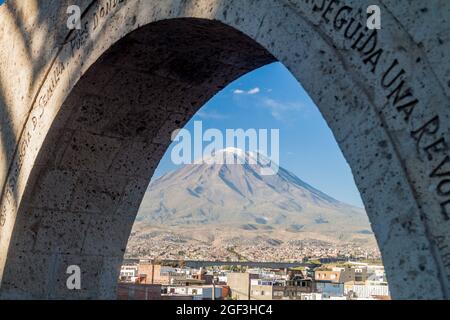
(81, 157)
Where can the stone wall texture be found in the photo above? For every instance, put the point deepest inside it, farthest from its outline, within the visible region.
(87, 114)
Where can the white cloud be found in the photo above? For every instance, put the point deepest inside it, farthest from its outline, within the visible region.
(249, 92)
(253, 91)
(279, 110)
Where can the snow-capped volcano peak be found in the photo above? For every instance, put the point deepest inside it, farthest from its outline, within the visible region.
(214, 192)
(223, 156)
(232, 156)
(233, 150)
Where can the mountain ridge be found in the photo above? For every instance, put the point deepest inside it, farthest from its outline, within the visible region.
(217, 202)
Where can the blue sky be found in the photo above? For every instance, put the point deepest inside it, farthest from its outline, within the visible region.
(270, 97)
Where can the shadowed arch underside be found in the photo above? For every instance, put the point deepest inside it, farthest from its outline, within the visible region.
(98, 158)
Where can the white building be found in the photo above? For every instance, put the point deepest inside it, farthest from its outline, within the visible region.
(198, 292)
(311, 296)
(129, 273)
(367, 291)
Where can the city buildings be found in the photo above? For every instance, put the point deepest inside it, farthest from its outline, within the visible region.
(148, 280)
(291, 289)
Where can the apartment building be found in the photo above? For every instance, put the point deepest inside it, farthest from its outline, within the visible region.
(367, 291)
(204, 292)
(150, 273)
(240, 284)
(342, 274)
(129, 274)
(292, 289)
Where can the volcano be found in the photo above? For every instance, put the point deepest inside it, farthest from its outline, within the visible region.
(214, 201)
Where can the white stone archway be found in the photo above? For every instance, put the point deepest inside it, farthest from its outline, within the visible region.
(87, 114)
